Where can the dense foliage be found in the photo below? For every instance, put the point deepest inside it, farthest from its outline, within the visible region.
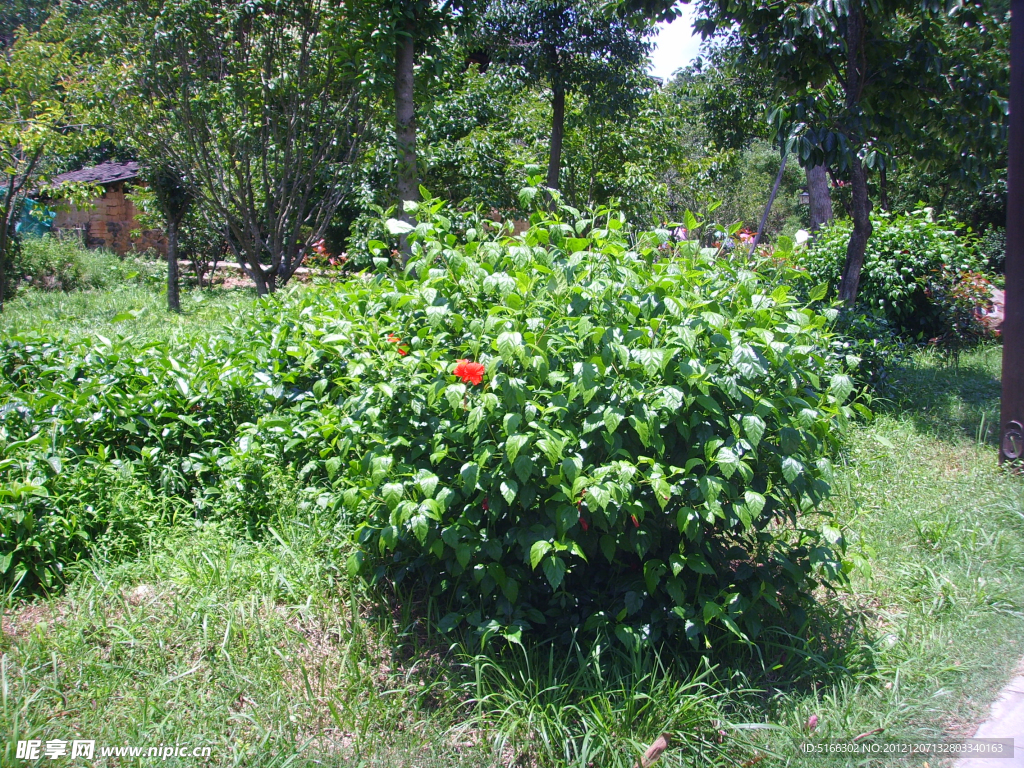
(919, 272)
(648, 434)
(637, 441)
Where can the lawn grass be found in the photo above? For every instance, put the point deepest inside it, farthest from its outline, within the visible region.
(130, 309)
(264, 649)
(938, 531)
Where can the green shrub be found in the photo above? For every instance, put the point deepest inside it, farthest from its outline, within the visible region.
(908, 259)
(641, 457)
(992, 246)
(644, 455)
(51, 263)
(55, 263)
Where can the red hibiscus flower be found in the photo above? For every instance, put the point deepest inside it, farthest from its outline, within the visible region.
(470, 373)
(485, 505)
(403, 351)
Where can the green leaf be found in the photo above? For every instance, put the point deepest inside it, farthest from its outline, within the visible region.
(755, 502)
(523, 468)
(470, 473)
(753, 428)
(511, 590)
(511, 422)
(554, 570)
(537, 552)
(509, 489)
(392, 493)
(612, 418)
(841, 386)
(608, 547)
(818, 292)
(727, 461)
(398, 227)
(677, 564)
(420, 526)
(598, 496)
(510, 346)
(651, 360)
(332, 465)
(654, 571)
(515, 444)
(427, 482)
(696, 562)
(791, 469)
(712, 611)
(355, 564)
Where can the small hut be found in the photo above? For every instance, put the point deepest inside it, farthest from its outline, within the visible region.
(111, 219)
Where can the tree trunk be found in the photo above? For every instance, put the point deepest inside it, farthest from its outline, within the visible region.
(557, 132)
(173, 294)
(861, 205)
(771, 202)
(859, 237)
(259, 277)
(4, 241)
(820, 198)
(408, 186)
(883, 190)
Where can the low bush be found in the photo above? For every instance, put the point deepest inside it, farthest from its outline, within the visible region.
(55, 263)
(571, 430)
(912, 266)
(992, 246)
(50, 263)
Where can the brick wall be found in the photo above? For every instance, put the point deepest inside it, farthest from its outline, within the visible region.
(109, 223)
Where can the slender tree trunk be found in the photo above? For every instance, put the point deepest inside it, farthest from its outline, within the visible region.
(883, 190)
(173, 294)
(259, 276)
(4, 241)
(859, 237)
(941, 208)
(771, 202)
(820, 198)
(557, 132)
(408, 187)
(861, 205)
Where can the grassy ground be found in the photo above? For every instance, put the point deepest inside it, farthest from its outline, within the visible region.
(264, 651)
(939, 598)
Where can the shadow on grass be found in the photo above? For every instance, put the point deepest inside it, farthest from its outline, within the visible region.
(950, 402)
(821, 641)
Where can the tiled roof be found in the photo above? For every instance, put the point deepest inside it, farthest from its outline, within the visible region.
(104, 173)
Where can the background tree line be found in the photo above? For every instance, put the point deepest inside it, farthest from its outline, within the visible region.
(266, 127)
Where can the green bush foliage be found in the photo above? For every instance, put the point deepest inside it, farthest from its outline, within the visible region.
(648, 435)
(639, 444)
(912, 264)
(55, 263)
